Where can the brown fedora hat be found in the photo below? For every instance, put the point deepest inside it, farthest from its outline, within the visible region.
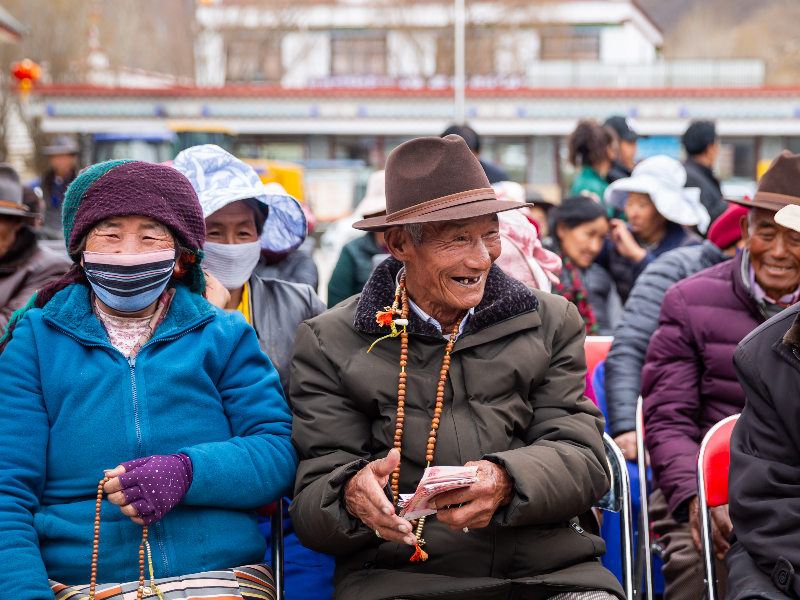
(434, 179)
(779, 185)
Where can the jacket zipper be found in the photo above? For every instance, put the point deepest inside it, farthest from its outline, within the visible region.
(160, 533)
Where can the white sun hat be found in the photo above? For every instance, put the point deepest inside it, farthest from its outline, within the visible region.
(219, 178)
(662, 178)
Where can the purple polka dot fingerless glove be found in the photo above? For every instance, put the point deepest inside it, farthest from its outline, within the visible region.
(153, 485)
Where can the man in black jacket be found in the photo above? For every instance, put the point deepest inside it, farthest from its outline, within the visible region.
(765, 460)
(702, 146)
(626, 153)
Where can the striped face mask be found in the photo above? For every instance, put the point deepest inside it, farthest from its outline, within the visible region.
(129, 282)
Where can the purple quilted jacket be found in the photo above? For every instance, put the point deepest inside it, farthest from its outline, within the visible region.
(688, 381)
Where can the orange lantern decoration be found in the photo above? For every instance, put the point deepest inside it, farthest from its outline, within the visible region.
(26, 72)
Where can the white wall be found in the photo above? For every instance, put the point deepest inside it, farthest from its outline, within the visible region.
(411, 53)
(514, 50)
(625, 45)
(209, 53)
(305, 55)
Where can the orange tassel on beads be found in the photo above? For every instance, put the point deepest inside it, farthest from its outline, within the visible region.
(419, 554)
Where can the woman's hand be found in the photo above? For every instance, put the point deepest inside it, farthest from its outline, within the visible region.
(215, 292)
(146, 489)
(494, 488)
(626, 244)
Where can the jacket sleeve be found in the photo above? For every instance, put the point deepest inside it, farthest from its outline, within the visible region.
(765, 470)
(257, 465)
(561, 472)
(24, 435)
(670, 388)
(328, 458)
(342, 282)
(626, 358)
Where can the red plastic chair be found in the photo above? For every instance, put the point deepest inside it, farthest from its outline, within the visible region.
(596, 348)
(713, 463)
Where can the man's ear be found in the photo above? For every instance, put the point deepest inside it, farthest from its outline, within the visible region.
(744, 224)
(399, 243)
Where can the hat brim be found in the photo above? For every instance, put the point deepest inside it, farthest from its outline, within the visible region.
(19, 213)
(460, 212)
(789, 216)
(766, 203)
(55, 150)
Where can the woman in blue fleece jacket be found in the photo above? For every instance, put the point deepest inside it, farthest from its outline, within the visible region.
(124, 362)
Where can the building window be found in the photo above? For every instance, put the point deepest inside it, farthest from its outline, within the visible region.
(253, 57)
(570, 43)
(358, 53)
(479, 50)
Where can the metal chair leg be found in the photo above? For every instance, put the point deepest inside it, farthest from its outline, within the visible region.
(644, 521)
(276, 527)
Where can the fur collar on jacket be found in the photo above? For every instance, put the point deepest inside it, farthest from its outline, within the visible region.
(792, 337)
(503, 299)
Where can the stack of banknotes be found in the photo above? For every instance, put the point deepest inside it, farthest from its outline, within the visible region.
(435, 481)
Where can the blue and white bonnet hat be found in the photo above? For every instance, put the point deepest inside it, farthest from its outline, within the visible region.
(220, 178)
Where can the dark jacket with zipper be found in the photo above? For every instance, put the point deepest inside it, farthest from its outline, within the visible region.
(764, 561)
(639, 321)
(277, 308)
(514, 395)
(688, 381)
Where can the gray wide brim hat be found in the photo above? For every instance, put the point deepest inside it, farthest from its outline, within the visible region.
(11, 194)
(61, 144)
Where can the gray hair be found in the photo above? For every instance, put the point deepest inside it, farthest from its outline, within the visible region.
(415, 231)
(751, 220)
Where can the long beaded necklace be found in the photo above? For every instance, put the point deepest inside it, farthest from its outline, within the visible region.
(401, 298)
(142, 546)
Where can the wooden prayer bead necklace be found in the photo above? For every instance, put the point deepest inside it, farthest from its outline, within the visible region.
(402, 296)
(93, 579)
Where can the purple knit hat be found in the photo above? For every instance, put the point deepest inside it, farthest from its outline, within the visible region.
(133, 188)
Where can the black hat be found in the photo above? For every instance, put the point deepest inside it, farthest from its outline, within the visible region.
(699, 136)
(624, 131)
(11, 194)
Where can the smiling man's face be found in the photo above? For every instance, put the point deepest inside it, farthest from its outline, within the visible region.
(774, 253)
(446, 274)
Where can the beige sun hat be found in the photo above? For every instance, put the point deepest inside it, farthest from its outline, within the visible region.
(789, 216)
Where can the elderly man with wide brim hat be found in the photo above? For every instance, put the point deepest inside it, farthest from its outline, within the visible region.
(444, 360)
(764, 558)
(689, 382)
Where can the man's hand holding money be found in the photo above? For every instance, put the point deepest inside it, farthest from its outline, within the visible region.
(494, 488)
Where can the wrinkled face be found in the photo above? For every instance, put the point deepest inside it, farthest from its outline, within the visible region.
(9, 226)
(774, 253)
(232, 224)
(583, 243)
(130, 234)
(643, 218)
(449, 268)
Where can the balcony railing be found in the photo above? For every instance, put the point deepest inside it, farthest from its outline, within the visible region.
(744, 73)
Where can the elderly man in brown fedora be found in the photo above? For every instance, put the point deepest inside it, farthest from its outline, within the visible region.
(482, 372)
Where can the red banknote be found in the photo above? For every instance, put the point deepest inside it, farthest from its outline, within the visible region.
(435, 481)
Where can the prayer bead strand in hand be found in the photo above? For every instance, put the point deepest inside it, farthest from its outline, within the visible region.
(93, 578)
(401, 393)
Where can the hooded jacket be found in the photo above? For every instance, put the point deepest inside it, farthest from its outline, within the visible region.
(73, 406)
(514, 395)
(639, 321)
(688, 381)
(764, 561)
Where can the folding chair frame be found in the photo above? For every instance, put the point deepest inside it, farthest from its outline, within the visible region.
(621, 490)
(705, 515)
(644, 514)
(276, 531)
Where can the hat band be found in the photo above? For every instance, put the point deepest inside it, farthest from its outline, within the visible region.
(773, 197)
(14, 205)
(441, 203)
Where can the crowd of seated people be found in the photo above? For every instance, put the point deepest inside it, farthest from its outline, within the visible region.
(160, 391)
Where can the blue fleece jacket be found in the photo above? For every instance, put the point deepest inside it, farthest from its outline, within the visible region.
(72, 405)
